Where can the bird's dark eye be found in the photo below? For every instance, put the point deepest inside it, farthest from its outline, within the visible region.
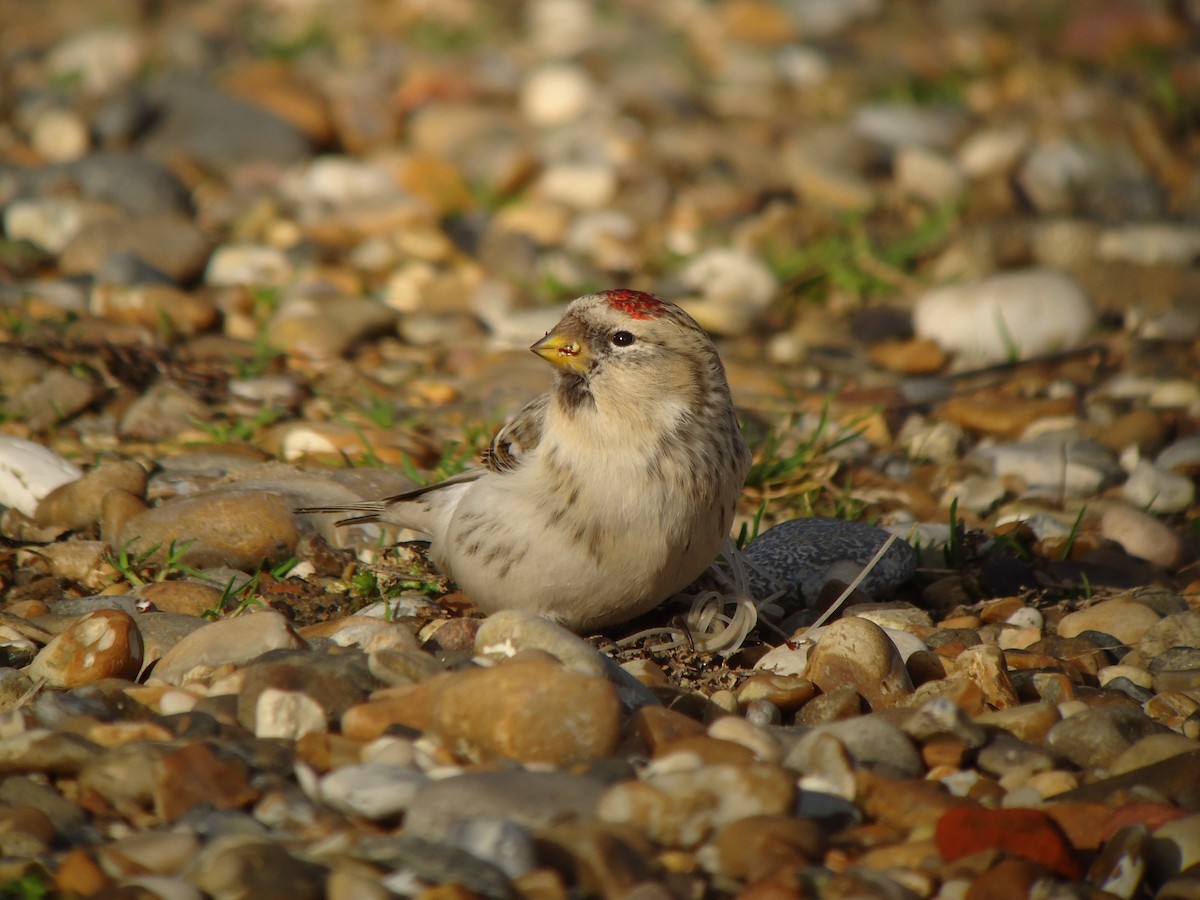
(622, 338)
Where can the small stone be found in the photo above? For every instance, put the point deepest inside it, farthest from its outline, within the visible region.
(529, 709)
(228, 641)
(372, 790)
(1094, 738)
(1122, 617)
(77, 505)
(556, 94)
(1142, 535)
(682, 809)
(1028, 313)
(102, 644)
(1158, 490)
(237, 528)
(857, 653)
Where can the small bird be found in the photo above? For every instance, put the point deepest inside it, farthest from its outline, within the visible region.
(605, 496)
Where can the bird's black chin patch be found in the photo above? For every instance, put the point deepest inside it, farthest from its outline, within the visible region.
(574, 392)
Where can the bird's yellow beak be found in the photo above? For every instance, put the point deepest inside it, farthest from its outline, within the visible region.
(563, 351)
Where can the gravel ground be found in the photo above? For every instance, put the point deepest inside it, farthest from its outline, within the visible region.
(260, 257)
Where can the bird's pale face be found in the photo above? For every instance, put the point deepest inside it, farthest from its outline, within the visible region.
(631, 346)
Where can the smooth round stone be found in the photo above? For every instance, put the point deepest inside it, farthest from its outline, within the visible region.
(324, 330)
(764, 745)
(29, 472)
(556, 94)
(856, 653)
(1158, 490)
(685, 808)
(76, 505)
(233, 641)
(1123, 618)
(1149, 244)
(162, 412)
(372, 790)
(170, 243)
(237, 528)
(869, 740)
(1027, 312)
(1133, 674)
(1176, 630)
(531, 709)
(102, 644)
(1094, 738)
(1142, 535)
(800, 556)
(510, 631)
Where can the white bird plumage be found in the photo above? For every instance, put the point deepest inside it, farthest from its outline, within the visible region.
(605, 496)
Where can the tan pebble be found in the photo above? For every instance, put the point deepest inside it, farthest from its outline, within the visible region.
(914, 356)
(1054, 782)
(659, 726)
(985, 666)
(77, 505)
(528, 709)
(187, 598)
(1123, 618)
(103, 644)
(724, 701)
(764, 745)
(647, 672)
(1136, 674)
(698, 750)
(858, 653)
(788, 692)
(1142, 535)
(1030, 722)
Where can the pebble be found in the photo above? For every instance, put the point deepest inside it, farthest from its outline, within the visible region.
(102, 644)
(1011, 315)
(228, 641)
(1142, 535)
(1122, 617)
(237, 528)
(528, 709)
(857, 653)
(1158, 490)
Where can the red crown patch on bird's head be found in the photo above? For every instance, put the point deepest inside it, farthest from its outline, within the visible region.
(635, 304)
